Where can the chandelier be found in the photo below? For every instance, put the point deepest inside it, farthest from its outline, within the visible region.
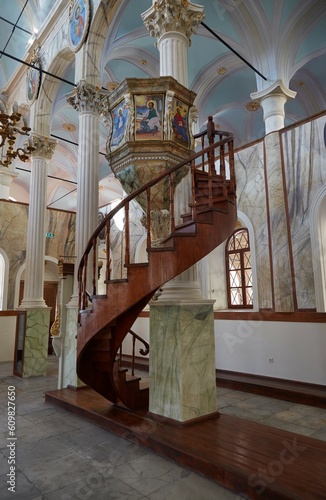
(9, 130)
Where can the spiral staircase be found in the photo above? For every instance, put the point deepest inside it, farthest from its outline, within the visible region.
(104, 320)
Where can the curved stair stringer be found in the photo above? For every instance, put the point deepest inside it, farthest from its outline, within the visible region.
(104, 323)
(113, 315)
(97, 364)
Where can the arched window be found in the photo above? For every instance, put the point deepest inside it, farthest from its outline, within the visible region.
(238, 270)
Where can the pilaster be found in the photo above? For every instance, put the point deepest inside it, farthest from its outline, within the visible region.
(7, 175)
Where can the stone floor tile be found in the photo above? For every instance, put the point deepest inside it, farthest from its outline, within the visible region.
(24, 489)
(63, 457)
(290, 415)
(314, 421)
(321, 434)
(195, 488)
(47, 476)
(274, 422)
(95, 486)
(300, 429)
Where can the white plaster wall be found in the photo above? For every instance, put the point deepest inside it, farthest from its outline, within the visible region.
(7, 337)
(141, 327)
(298, 349)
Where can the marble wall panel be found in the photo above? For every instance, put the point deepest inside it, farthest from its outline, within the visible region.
(251, 200)
(280, 252)
(305, 173)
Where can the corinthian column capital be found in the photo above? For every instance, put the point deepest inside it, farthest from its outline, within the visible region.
(173, 15)
(86, 97)
(44, 147)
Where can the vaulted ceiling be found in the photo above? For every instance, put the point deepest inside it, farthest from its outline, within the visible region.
(262, 40)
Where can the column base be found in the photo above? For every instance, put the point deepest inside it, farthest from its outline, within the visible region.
(171, 421)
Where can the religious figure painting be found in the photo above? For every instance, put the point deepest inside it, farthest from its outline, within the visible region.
(33, 84)
(148, 112)
(180, 122)
(120, 116)
(78, 23)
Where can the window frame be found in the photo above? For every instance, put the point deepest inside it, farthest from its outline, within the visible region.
(241, 251)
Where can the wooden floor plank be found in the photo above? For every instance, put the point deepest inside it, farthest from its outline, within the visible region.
(245, 457)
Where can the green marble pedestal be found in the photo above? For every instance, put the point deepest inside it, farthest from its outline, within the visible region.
(36, 342)
(182, 361)
(69, 353)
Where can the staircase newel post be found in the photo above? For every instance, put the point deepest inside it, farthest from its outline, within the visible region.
(222, 170)
(172, 202)
(193, 189)
(231, 163)
(148, 217)
(94, 277)
(211, 139)
(85, 282)
(127, 235)
(107, 249)
(210, 130)
(80, 273)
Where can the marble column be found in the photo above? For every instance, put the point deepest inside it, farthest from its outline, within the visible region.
(38, 314)
(273, 100)
(90, 102)
(7, 175)
(182, 359)
(172, 22)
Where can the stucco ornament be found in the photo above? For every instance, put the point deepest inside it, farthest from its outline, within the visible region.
(86, 97)
(173, 15)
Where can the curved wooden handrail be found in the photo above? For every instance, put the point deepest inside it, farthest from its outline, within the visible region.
(143, 352)
(205, 213)
(207, 157)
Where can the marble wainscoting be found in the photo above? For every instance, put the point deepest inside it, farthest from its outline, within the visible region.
(252, 201)
(182, 361)
(36, 342)
(280, 244)
(304, 166)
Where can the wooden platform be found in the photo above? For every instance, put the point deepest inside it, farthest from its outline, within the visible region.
(288, 390)
(245, 457)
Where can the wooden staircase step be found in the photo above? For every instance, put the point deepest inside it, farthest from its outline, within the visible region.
(104, 327)
(136, 264)
(130, 380)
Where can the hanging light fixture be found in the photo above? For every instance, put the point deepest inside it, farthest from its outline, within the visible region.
(9, 130)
